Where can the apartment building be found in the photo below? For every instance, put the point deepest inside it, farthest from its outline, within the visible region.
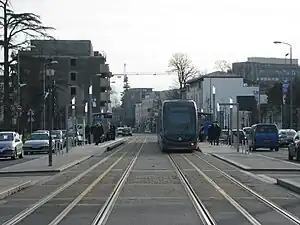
(77, 67)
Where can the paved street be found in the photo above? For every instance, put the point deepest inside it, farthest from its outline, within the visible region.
(136, 182)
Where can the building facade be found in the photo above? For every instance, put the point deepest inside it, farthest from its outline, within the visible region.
(266, 71)
(221, 85)
(77, 68)
(131, 97)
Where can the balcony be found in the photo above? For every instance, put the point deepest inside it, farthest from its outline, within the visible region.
(104, 96)
(104, 69)
(104, 82)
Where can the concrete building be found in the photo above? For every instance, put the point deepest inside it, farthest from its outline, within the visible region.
(118, 116)
(79, 66)
(145, 112)
(226, 86)
(129, 101)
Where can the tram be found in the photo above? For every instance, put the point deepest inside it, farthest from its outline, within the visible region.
(178, 126)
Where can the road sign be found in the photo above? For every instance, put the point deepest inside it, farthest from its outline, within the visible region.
(30, 112)
(285, 86)
(30, 115)
(19, 108)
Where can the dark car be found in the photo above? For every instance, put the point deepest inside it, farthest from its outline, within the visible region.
(286, 137)
(294, 148)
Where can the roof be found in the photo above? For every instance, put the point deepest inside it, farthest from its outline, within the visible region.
(216, 74)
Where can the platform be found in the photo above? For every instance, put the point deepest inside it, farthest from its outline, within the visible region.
(256, 162)
(60, 162)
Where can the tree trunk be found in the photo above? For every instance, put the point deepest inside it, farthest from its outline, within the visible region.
(6, 97)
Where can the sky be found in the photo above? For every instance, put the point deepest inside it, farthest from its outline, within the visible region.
(145, 33)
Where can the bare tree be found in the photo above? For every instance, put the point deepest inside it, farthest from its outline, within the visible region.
(13, 25)
(222, 65)
(182, 65)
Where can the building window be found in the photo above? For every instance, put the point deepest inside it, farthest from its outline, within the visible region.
(73, 76)
(73, 62)
(73, 90)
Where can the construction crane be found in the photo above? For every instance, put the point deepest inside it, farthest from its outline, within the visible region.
(125, 75)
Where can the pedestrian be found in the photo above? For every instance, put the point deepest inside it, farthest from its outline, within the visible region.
(98, 134)
(217, 133)
(210, 134)
(201, 133)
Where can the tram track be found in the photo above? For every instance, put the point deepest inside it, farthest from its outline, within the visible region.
(64, 199)
(216, 186)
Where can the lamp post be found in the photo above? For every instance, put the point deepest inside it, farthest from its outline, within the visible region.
(218, 113)
(291, 79)
(85, 119)
(73, 106)
(214, 101)
(231, 117)
(51, 72)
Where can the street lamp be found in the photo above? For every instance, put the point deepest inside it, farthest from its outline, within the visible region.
(50, 72)
(291, 78)
(231, 116)
(214, 101)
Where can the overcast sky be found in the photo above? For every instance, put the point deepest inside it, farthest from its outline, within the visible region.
(144, 33)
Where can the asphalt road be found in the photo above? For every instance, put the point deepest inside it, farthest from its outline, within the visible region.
(9, 162)
(138, 184)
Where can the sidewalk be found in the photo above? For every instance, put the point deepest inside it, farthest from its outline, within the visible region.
(248, 162)
(60, 163)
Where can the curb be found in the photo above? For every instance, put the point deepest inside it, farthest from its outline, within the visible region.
(15, 189)
(246, 168)
(109, 148)
(288, 184)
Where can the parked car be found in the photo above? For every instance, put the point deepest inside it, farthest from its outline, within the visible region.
(286, 137)
(264, 136)
(294, 148)
(38, 142)
(120, 131)
(11, 145)
(127, 131)
(224, 136)
(75, 138)
(57, 135)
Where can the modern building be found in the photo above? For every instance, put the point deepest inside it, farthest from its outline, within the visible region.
(77, 67)
(221, 85)
(266, 71)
